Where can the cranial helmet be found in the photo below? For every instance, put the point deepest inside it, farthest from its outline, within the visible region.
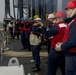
(71, 4)
(37, 19)
(36, 16)
(59, 14)
(51, 16)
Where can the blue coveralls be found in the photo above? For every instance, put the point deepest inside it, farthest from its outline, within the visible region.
(70, 43)
(24, 32)
(70, 65)
(36, 54)
(36, 48)
(24, 36)
(55, 59)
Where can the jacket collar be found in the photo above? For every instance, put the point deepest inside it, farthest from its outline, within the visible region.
(68, 20)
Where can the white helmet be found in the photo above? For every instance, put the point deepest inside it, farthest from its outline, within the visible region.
(37, 19)
(51, 16)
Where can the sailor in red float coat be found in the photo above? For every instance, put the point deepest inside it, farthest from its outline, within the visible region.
(69, 41)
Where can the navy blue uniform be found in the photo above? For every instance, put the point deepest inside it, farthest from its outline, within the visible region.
(69, 47)
(55, 58)
(36, 48)
(24, 31)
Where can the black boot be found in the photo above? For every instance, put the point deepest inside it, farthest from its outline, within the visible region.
(33, 67)
(36, 69)
(17, 38)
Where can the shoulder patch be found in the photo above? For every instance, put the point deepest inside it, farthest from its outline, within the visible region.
(62, 25)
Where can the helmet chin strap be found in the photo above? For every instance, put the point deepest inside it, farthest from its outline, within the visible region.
(73, 13)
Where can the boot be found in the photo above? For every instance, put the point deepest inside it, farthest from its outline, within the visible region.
(37, 68)
(33, 67)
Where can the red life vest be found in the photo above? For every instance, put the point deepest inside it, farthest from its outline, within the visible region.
(66, 35)
(59, 36)
(23, 28)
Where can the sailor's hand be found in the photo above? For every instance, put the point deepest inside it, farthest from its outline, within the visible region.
(40, 23)
(58, 47)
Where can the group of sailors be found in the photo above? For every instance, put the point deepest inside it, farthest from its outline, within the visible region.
(62, 46)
